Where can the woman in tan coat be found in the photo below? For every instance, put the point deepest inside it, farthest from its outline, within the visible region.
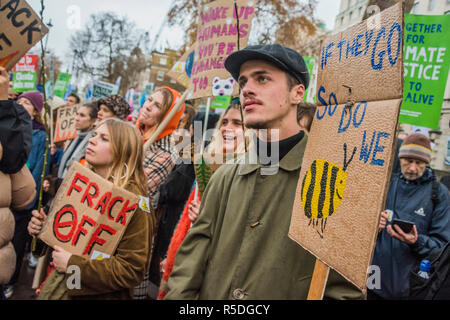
(115, 153)
(18, 191)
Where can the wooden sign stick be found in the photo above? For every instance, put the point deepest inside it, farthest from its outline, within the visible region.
(319, 281)
(51, 127)
(166, 121)
(41, 269)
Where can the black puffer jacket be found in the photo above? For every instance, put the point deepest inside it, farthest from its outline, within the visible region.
(15, 136)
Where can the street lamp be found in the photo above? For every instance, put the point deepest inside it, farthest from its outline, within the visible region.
(49, 25)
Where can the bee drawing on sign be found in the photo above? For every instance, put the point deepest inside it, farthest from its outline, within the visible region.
(323, 189)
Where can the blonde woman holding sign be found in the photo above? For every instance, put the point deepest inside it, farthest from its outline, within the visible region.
(115, 153)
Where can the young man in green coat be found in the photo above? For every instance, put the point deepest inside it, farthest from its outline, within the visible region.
(239, 247)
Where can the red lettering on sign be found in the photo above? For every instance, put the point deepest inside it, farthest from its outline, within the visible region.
(78, 177)
(87, 196)
(82, 230)
(111, 206)
(96, 238)
(57, 224)
(103, 202)
(122, 217)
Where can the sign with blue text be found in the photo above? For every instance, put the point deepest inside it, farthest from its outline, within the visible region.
(347, 163)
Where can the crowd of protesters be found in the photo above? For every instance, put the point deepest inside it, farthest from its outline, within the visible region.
(226, 240)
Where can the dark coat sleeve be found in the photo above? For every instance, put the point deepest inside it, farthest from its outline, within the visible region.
(178, 184)
(438, 234)
(15, 136)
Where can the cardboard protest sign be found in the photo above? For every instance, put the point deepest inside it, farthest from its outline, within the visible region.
(367, 53)
(182, 70)
(217, 39)
(24, 81)
(347, 163)
(88, 215)
(65, 123)
(101, 89)
(19, 31)
(427, 61)
(62, 84)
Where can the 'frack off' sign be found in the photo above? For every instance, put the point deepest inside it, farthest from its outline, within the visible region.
(19, 31)
(217, 39)
(347, 162)
(89, 214)
(65, 123)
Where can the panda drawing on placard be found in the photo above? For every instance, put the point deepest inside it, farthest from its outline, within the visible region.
(222, 87)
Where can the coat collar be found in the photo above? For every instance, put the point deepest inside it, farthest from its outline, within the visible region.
(291, 162)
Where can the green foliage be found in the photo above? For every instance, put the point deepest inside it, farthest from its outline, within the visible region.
(203, 174)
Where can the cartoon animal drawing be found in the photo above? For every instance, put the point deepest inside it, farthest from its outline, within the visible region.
(323, 189)
(222, 87)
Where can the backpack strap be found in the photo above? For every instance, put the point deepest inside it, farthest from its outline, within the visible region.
(435, 193)
(442, 265)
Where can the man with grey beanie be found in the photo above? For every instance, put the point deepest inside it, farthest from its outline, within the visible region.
(414, 196)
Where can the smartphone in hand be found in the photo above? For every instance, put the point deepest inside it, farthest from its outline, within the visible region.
(406, 226)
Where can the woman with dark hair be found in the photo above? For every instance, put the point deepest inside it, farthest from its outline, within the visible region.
(187, 118)
(76, 151)
(305, 115)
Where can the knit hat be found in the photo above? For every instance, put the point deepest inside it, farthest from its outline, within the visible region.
(416, 146)
(117, 105)
(36, 98)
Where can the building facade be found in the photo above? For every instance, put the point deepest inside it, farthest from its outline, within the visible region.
(162, 63)
(350, 12)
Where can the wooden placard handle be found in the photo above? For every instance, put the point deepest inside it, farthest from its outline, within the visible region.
(319, 281)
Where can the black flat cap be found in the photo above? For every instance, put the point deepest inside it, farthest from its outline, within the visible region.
(284, 58)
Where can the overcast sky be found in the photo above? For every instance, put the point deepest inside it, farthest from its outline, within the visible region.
(147, 14)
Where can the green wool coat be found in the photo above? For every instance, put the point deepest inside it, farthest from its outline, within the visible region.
(239, 248)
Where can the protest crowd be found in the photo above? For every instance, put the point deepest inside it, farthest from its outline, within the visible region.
(154, 207)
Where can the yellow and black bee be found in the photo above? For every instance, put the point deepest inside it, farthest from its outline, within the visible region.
(323, 188)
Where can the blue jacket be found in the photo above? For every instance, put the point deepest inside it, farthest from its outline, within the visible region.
(36, 159)
(411, 201)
